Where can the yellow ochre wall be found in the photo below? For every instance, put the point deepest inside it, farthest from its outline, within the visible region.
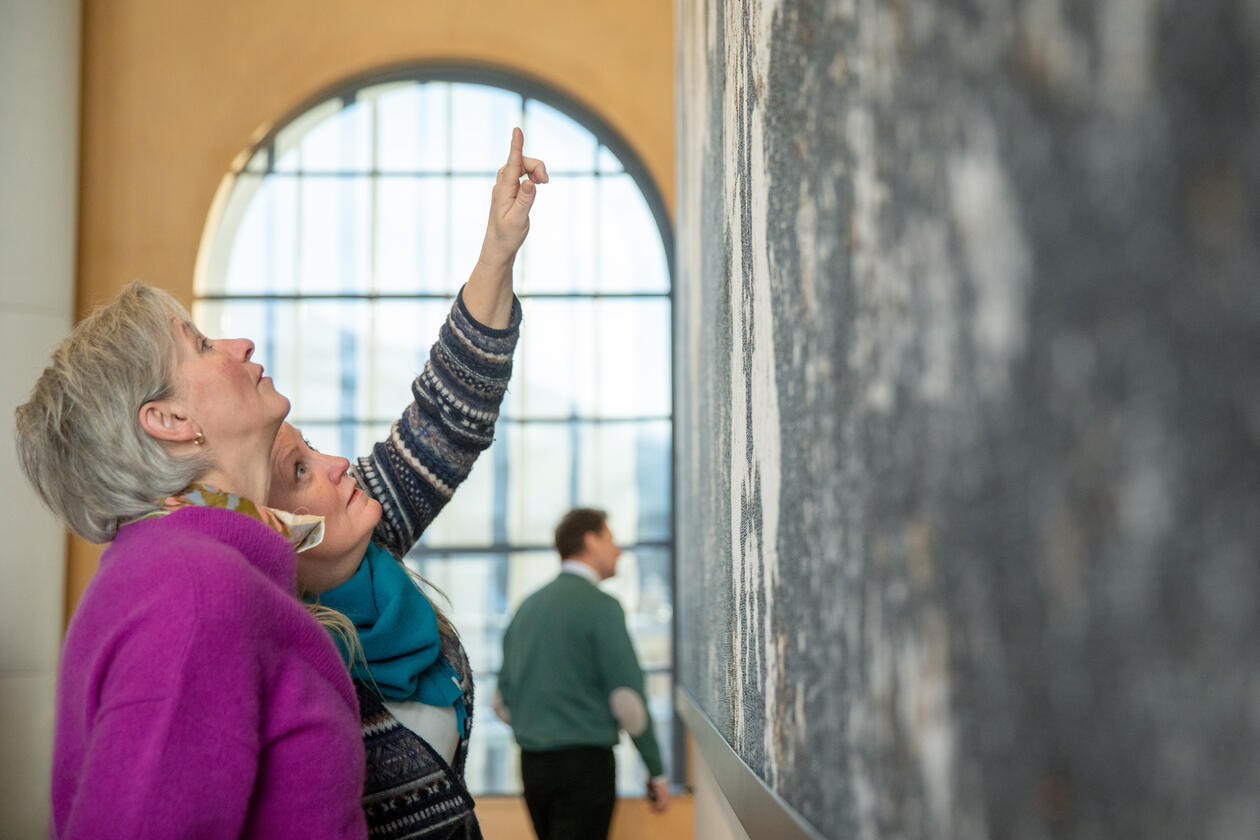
(172, 92)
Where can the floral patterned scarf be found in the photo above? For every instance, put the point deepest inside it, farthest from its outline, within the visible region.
(303, 531)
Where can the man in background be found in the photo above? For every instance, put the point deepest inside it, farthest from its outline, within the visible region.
(570, 680)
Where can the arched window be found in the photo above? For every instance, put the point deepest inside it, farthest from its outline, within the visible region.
(339, 244)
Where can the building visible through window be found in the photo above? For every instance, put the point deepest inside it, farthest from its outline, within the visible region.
(341, 243)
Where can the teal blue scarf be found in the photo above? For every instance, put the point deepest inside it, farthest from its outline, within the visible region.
(398, 630)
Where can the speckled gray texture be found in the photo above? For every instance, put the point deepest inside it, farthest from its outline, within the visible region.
(968, 352)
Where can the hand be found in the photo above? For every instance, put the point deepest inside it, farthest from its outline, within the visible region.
(488, 292)
(658, 794)
(510, 202)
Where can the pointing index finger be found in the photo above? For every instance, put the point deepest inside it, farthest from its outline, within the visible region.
(515, 163)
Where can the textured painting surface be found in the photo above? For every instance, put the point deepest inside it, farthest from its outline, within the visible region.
(968, 357)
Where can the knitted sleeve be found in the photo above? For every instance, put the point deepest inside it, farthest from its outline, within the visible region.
(432, 446)
(620, 669)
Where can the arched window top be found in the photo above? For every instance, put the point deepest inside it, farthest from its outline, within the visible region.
(378, 188)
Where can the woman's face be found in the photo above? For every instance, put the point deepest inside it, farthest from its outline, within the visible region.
(235, 407)
(306, 481)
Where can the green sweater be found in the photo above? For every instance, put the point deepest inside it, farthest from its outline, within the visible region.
(564, 654)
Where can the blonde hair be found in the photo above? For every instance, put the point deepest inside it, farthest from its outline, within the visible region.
(79, 438)
(340, 626)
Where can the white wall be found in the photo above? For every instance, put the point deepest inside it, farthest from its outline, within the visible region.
(39, 126)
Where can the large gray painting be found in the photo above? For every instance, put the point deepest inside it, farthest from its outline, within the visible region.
(968, 358)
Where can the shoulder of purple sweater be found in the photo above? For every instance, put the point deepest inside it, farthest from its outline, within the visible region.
(164, 558)
(160, 600)
(189, 596)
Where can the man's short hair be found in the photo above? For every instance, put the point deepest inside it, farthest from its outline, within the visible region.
(573, 528)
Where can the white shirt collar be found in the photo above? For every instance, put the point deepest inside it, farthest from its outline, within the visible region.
(577, 567)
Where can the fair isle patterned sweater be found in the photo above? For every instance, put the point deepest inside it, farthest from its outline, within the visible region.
(410, 791)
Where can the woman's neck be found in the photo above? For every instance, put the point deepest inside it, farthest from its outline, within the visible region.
(243, 465)
(250, 479)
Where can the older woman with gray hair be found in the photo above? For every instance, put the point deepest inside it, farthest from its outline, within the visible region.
(197, 697)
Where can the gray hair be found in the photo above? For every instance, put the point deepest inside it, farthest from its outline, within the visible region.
(79, 437)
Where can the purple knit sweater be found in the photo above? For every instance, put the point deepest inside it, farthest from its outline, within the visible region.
(198, 699)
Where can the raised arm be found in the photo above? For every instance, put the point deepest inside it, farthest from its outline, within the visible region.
(431, 449)
(488, 292)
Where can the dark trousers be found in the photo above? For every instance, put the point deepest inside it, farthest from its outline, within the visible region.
(570, 793)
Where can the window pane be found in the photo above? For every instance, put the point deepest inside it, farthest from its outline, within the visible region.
(632, 354)
(396, 345)
(559, 255)
(534, 507)
(264, 250)
(564, 145)
(288, 141)
(624, 468)
(411, 127)
(413, 235)
(591, 358)
(555, 370)
(608, 162)
(482, 120)
(398, 119)
(631, 256)
(328, 360)
(474, 583)
(468, 210)
(468, 519)
(335, 221)
(340, 143)
(528, 572)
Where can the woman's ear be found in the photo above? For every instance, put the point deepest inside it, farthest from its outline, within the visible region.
(162, 421)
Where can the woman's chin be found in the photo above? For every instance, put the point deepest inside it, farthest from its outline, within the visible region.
(279, 406)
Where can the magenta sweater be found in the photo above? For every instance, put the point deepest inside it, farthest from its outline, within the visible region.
(198, 699)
